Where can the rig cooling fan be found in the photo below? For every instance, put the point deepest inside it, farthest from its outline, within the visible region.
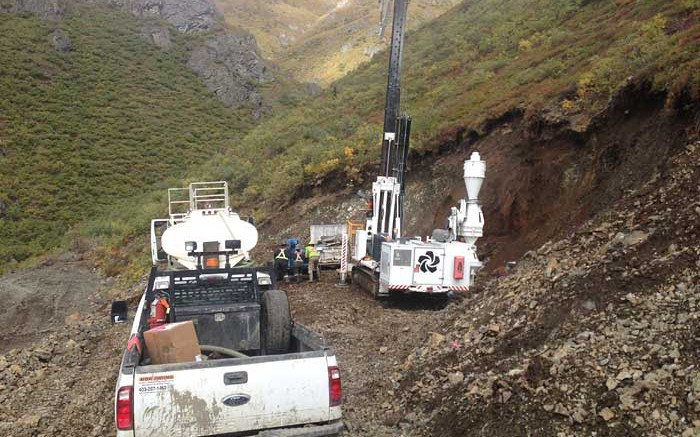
(428, 262)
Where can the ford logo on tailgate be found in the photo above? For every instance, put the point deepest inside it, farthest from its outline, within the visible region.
(236, 400)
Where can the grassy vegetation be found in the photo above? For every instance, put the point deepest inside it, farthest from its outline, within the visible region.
(320, 41)
(481, 60)
(116, 121)
(83, 129)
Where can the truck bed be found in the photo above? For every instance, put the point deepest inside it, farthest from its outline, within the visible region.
(289, 393)
(236, 394)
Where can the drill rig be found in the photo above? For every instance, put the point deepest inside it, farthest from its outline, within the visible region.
(383, 260)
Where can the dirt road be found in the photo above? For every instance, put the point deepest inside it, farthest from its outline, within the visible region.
(60, 380)
(372, 340)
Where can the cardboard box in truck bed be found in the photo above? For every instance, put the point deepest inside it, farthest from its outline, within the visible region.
(172, 343)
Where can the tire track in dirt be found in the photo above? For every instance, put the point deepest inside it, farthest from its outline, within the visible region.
(373, 340)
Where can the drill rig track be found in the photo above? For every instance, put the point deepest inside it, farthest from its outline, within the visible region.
(366, 279)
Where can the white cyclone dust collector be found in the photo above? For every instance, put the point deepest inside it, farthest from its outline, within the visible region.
(469, 220)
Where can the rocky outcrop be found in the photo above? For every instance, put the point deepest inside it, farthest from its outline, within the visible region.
(61, 41)
(227, 61)
(231, 67)
(46, 9)
(188, 16)
(157, 34)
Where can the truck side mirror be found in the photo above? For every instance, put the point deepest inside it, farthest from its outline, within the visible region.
(120, 311)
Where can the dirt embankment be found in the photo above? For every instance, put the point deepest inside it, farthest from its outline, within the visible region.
(546, 174)
(39, 300)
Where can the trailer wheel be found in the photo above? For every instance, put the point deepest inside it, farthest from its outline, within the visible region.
(276, 323)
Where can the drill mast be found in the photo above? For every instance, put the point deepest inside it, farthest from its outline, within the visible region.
(388, 191)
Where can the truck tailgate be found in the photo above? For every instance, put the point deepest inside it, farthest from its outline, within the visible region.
(226, 396)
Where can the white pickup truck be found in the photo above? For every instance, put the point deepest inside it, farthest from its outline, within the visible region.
(291, 388)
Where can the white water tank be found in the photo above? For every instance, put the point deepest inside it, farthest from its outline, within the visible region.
(209, 226)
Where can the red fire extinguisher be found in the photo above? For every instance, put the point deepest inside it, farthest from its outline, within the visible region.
(160, 308)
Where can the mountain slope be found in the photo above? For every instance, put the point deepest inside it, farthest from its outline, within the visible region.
(104, 120)
(560, 61)
(274, 23)
(322, 40)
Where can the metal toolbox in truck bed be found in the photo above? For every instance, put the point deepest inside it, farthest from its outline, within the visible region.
(224, 307)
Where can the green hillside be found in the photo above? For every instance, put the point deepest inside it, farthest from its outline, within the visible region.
(91, 137)
(481, 60)
(320, 40)
(81, 129)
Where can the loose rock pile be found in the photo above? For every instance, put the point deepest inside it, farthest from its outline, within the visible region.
(63, 384)
(596, 334)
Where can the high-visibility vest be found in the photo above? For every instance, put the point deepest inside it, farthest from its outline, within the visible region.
(298, 258)
(311, 252)
(281, 255)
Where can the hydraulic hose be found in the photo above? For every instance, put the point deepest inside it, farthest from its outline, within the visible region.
(222, 350)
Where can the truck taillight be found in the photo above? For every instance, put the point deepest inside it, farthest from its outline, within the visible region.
(336, 391)
(125, 417)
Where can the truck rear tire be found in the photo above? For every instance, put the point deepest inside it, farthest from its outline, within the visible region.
(276, 326)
